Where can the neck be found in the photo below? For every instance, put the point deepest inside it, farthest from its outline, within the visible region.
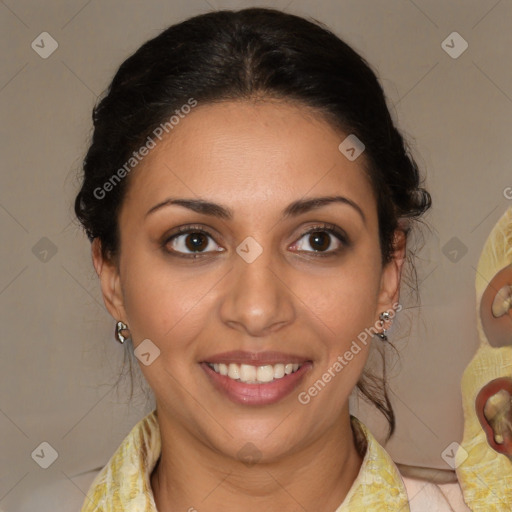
(191, 476)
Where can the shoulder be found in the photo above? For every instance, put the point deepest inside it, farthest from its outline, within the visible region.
(124, 482)
(422, 489)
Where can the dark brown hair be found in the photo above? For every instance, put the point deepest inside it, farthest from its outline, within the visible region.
(256, 52)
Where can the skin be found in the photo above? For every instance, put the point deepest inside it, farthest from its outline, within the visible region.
(254, 158)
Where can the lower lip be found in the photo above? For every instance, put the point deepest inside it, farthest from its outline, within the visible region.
(256, 394)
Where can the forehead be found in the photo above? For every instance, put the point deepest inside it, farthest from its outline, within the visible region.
(244, 153)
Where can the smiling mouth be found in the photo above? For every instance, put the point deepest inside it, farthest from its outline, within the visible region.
(250, 374)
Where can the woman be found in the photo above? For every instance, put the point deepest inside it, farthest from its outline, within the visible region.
(248, 199)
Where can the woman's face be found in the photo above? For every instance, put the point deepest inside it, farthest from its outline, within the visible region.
(251, 288)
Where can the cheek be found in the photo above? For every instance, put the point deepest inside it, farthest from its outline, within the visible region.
(171, 303)
(163, 302)
(340, 309)
(345, 299)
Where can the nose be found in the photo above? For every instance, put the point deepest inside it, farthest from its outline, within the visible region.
(257, 300)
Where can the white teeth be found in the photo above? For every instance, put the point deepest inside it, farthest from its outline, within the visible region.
(265, 373)
(278, 371)
(255, 374)
(233, 371)
(247, 373)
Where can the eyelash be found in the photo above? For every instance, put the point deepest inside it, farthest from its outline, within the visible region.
(323, 227)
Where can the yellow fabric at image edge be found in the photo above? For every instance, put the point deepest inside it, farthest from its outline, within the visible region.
(124, 483)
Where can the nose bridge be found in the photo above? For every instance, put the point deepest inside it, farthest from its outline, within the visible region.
(256, 276)
(256, 299)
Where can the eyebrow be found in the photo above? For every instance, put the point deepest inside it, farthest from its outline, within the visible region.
(292, 210)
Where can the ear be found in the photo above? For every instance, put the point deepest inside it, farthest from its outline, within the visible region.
(389, 293)
(494, 410)
(110, 282)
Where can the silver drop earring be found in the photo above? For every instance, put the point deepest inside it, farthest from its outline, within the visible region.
(121, 326)
(384, 317)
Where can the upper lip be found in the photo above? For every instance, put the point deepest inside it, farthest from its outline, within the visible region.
(255, 358)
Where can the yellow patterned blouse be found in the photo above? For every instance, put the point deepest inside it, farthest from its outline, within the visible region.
(124, 483)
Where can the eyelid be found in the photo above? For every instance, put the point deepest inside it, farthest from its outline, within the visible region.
(332, 229)
(329, 228)
(184, 230)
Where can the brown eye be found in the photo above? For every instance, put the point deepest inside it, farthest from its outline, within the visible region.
(319, 240)
(196, 242)
(190, 241)
(328, 240)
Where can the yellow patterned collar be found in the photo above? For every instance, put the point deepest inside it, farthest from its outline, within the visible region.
(124, 483)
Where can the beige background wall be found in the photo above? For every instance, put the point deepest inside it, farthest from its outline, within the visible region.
(59, 359)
